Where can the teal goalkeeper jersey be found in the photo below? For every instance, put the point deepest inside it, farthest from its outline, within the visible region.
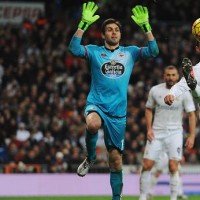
(110, 73)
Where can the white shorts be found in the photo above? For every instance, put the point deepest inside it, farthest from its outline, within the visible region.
(171, 142)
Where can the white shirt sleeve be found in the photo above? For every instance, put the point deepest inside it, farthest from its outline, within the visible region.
(179, 88)
(150, 101)
(182, 86)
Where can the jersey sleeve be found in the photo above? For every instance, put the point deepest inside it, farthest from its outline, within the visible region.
(76, 48)
(150, 101)
(179, 88)
(149, 51)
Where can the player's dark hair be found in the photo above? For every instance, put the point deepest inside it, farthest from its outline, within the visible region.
(170, 67)
(110, 21)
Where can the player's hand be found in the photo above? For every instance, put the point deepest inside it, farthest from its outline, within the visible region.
(169, 99)
(150, 135)
(190, 142)
(88, 17)
(141, 18)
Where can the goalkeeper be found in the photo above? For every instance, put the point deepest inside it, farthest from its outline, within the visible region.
(111, 66)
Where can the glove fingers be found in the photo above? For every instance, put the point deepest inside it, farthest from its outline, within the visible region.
(87, 15)
(145, 10)
(94, 9)
(95, 18)
(84, 6)
(91, 5)
(135, 11)
(134, 18)
(139, 10)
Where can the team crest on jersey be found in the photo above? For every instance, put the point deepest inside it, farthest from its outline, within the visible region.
(103, 55)
(120, 54)
(112, 69)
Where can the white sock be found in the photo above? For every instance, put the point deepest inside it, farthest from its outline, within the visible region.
(144, 184)
(174, 185)
(152, 184)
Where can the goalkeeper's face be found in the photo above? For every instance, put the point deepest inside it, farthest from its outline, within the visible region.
(112, 35)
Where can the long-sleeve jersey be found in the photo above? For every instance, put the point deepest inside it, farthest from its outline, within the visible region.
(110, 72)
(182, 86)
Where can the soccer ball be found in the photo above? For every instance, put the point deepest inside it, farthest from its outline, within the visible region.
(196, 29)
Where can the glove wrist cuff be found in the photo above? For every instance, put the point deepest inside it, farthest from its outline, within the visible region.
(83, 25)
(146, 28)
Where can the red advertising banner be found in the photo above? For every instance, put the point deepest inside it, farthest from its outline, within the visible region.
(16, 12)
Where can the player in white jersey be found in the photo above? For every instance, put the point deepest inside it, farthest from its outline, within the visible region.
(164, 131)
(190, 81)
(161, 166)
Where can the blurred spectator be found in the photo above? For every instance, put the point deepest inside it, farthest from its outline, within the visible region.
(22, 134)
(36, 135)
(58, 165)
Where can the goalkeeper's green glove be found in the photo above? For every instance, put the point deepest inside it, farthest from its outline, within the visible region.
(141, 18)
(88, 16)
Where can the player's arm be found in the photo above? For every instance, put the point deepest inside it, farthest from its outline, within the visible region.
(176, 90)
(88, 17)
(140, 16)
(192, 124)
(149, 119)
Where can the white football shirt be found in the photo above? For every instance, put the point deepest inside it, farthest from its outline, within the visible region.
(165, 116)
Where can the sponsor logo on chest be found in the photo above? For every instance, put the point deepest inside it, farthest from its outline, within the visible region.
(112, 69)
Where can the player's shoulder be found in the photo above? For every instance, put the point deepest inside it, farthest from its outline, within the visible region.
(93, 49)
(94, 46)
(156, 89)
(132, 49)
(158, 86)
(129, 46)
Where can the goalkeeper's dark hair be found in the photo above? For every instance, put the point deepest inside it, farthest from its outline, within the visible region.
(110, 21)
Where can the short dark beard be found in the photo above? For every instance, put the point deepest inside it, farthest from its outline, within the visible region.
(111, 43)
(169, 85)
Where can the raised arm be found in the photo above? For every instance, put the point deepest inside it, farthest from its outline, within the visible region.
(141, 17)
(176, 90)
(88, 17)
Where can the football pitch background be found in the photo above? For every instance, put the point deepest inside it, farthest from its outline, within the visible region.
(90, 198)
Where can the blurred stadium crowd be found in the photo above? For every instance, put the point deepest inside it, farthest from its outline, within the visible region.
(44, 88)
